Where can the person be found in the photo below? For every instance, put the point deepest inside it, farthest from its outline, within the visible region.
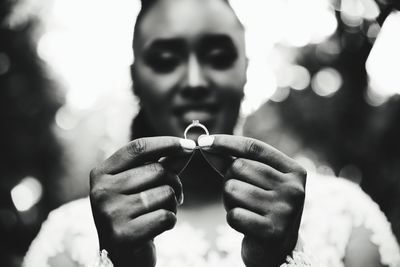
(230, 200)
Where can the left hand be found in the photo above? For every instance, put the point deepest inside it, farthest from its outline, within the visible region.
(264, 196)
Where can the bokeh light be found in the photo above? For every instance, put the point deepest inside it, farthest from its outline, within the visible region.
(326, 82)
(91, 58)
(353, 12)
(281, 94)
(373, 31)
(383, 63)
(295, 76)
(65, 119)
(27, 193)
(299, 77)
(308, 21)
(374, 98)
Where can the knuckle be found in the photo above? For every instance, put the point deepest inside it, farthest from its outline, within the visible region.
(137, 146)
(98, 194)
(285, 209)
(230, 187)
(252, 147)
(277, 233)
(109, 211)
(157, 169)
(273, 231)
(238, 166)
(137, 200)
(118, 234)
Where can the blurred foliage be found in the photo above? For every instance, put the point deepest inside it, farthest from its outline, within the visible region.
(343, 129)
(28, 102)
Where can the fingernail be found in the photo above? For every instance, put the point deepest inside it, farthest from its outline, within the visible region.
(180, 199)
(205, 140)
(187, 144)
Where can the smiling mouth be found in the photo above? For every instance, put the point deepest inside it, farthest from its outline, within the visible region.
(203, 113)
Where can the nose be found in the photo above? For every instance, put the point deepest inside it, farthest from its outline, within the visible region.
(196, 83)
(195, 76)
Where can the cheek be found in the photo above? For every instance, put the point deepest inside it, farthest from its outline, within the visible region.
(153, 88)
(230, 82)
(232, 78)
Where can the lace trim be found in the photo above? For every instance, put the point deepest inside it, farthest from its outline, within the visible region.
(349, 208)
(372, 218)
(102, 260)
(70, 230)
(298, 259)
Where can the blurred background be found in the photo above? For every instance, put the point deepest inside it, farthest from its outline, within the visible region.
(324, 84)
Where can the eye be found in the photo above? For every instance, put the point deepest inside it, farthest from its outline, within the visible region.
(220, 58)
(163, 61)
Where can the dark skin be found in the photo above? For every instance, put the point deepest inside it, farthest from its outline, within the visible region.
(135, 197)
(263, 195)
(127, 223)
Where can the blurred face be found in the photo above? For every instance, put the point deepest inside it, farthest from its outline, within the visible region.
(189, 65)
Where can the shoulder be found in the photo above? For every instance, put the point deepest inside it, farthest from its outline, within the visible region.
(340, 195)
(74, 217)
(68, 229)
(337, 194)
(72, 212)
(335, 208)
(329, 185)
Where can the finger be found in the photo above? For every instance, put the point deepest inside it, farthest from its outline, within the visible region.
(147, 226)
(176, 163)
(162, 197)
(250, 223)
(142, 150)
(255, 173)
(240, 194)
(142, 178)
(249, 148)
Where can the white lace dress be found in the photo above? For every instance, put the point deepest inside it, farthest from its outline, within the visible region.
(333, 207)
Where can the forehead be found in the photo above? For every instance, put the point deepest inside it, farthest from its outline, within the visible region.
(189, 19)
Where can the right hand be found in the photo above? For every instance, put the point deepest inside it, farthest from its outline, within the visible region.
(134, 198)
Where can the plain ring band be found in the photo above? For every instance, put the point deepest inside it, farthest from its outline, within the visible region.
(195, 123)
(145, 200)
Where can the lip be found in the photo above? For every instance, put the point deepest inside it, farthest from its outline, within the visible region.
(204, 112)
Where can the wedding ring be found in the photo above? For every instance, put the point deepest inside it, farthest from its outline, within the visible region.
(145, 200)
(195, 123)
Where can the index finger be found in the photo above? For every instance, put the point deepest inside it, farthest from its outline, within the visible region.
(250, 148)
(142, 150)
